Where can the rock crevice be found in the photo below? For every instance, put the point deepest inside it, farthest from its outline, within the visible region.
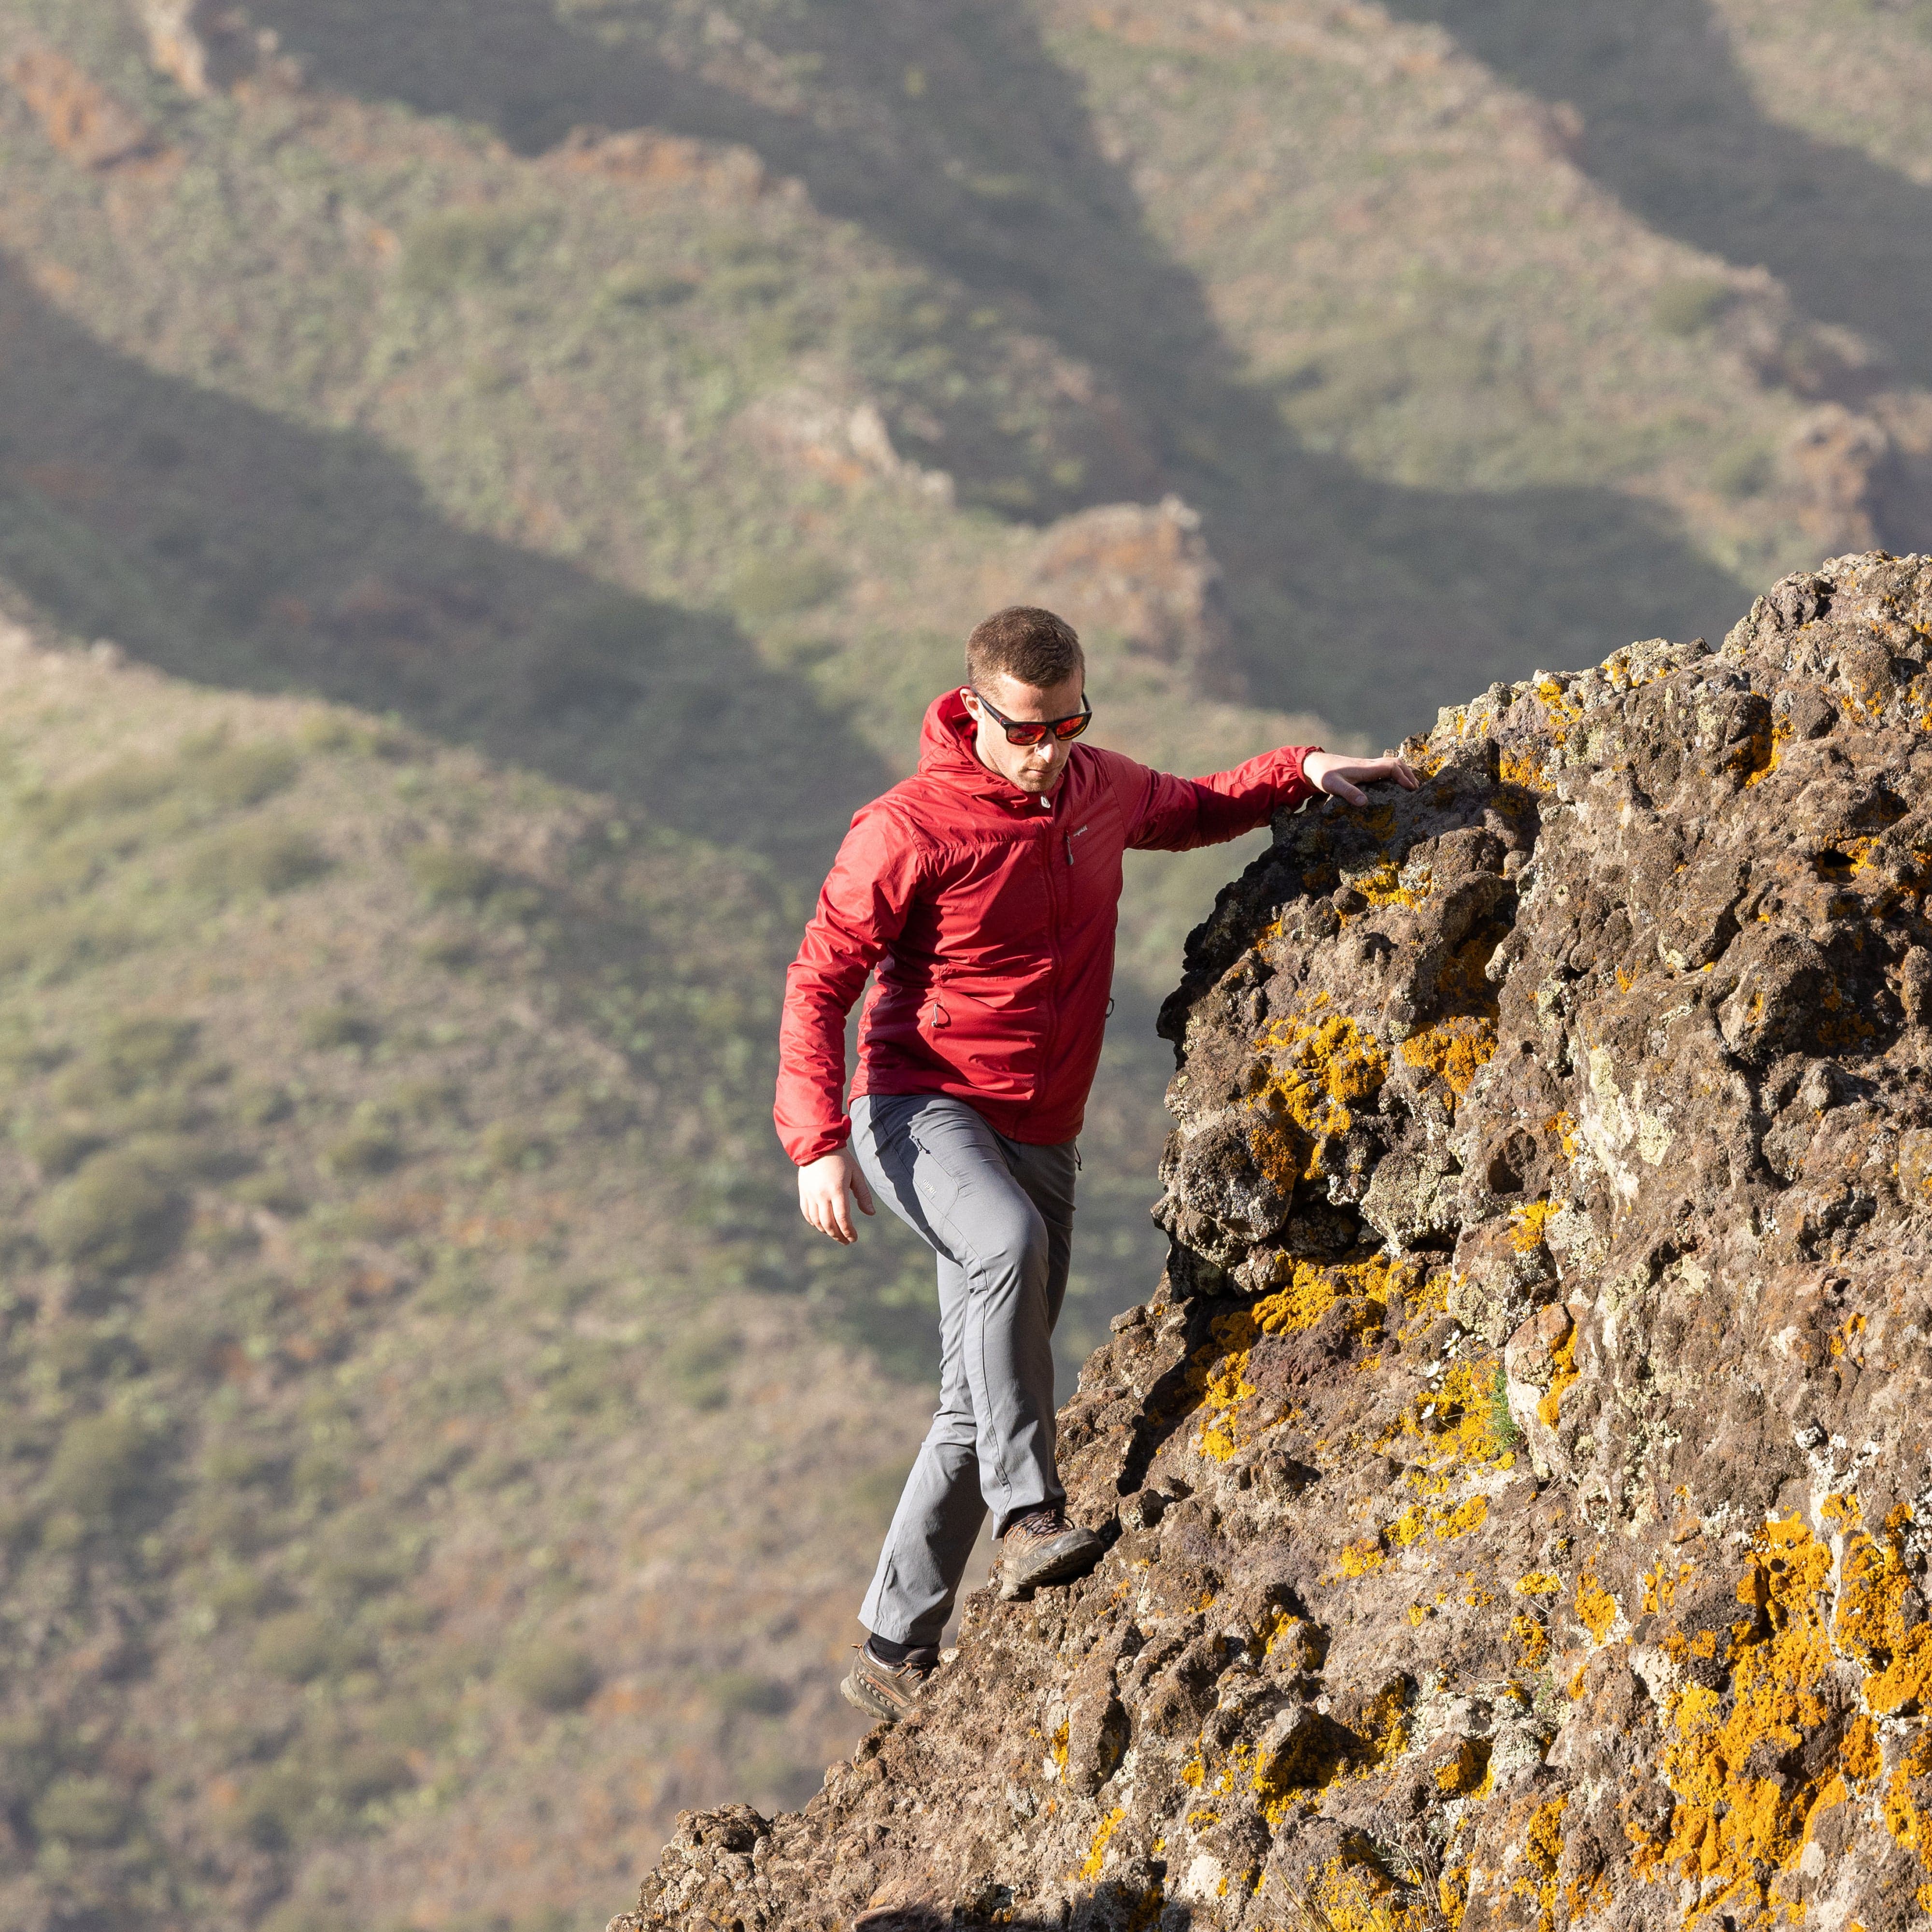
(1517, 1490)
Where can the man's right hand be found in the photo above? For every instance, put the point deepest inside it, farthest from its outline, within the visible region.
(822, 1185)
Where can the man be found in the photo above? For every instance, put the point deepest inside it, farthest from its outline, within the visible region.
(981, 893)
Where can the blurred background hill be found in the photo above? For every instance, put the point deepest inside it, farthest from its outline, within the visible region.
(487, 487)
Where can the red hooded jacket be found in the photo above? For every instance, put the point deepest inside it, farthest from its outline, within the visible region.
(989, 915)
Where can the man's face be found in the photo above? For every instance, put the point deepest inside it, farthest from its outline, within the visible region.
(1037, 769)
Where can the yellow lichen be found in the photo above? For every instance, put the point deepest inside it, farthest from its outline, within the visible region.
(1312, 1071)
(1533, 1639)
(1542, 1850)
(1538, 1583)
(1097, 1855)
(1735, 1828)
(1456, 1050)
(1764, 750)
(1526, 1224)
(1523, 768)
(1871, 1623)
(1218, 1373)
(1596, 1608)
(1550, 1410)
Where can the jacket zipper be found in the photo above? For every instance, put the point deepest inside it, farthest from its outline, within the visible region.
(1053, 951)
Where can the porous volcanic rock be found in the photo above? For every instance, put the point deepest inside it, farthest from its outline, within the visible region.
(1517, 1492)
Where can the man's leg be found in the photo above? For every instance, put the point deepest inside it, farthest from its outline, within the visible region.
(939, 1166)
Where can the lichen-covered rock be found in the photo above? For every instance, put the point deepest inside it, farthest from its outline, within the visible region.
(1517, 1492)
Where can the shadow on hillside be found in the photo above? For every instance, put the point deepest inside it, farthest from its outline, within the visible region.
(227, 545)
(955, 136)
(1671, 127)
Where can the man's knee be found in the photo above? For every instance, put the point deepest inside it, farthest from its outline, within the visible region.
(1012, 1250)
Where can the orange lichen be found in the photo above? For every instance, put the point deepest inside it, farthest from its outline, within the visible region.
(1538, 1583)
(1532, 1637)
(1312, 1071)
(1351, 1893)
(1735, 1829)
(1455, 1050)
(1764, 750)
(1386, 885)
(1660, 1590)
(1549, 1410)
(1542, 1851)
(1218, 1373)
(1596, 1608)
(1097, 1855)
(1526, 1224)
(1467, 1774)
(1871, 1623)
(1524, 768)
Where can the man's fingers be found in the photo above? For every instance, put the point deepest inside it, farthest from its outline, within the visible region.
(1354, 794)
(841, 1229)
(862, 1191)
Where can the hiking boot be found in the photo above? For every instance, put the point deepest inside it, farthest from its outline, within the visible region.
(1042, 1546)
(889, 1692)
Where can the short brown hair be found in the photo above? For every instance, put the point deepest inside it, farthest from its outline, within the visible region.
(1026, 643)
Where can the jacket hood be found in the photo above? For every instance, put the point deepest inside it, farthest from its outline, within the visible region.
(946, 753)
(945, 750)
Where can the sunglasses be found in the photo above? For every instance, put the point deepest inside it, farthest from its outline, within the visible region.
(1028, 731)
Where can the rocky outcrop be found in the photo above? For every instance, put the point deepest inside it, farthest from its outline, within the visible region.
(1517, 1491)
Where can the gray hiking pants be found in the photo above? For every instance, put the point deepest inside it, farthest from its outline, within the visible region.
(999, 1214)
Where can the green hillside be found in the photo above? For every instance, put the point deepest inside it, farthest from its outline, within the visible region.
(531, 465)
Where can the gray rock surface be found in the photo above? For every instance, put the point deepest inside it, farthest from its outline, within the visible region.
(1517, 1490)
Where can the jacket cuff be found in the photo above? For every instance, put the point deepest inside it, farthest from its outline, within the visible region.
(806, 1149)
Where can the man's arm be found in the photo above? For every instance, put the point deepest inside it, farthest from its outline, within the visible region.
(862, 909)
(1173, 814)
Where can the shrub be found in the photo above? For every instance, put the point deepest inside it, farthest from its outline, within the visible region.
(126, 785)
(272, 1190)
(234, 776)
(1741, 474)
(296, 1646)
(50, 945)
(366, 1772)
(446, 876)
(367, 1567)
(765, 591)
(261, 1104)
(102, 1463)
(130, 1054)
(1689, 305)
(83, 1811)
(249, 859)
(276, 1808)
(370, 1147)
(115, 1215)
(463, 247)
(746, 1693)
(511, 1148)
(239, 1593)
(449, 947)
(346, 1023)
(552, 1676)
(60, 1148)
(697, 1367)
(646, 289)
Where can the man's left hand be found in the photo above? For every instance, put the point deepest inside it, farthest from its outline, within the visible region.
(1344, 778)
